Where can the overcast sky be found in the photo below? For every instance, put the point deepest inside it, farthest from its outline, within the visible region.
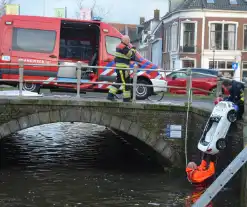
(122, 11)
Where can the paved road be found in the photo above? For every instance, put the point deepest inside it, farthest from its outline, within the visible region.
(201, 103)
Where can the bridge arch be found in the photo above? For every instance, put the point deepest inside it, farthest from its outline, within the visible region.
(87, 115)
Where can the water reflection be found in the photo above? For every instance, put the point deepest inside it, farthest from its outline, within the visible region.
(85, 165)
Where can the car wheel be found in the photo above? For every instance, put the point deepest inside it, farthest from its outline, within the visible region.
(221, 144)
(32, 87)
(232, 116)
(143, 92)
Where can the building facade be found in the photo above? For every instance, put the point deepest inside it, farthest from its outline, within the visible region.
(205, 34)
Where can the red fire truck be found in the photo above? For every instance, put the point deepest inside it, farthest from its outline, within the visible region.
(44, 40)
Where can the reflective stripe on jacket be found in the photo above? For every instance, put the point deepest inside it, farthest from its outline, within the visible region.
(200, 174)
(123, 55)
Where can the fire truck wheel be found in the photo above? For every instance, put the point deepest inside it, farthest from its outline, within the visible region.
(143, 92)
(32, 87)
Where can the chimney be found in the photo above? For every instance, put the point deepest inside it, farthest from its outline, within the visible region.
(142, 20)
(156, 14)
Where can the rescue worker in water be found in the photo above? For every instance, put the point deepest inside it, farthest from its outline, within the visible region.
(200, 177)
(124, 54)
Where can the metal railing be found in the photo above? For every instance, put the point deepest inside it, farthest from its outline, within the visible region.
(80, 68)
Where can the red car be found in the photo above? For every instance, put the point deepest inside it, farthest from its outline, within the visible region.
(179, 78)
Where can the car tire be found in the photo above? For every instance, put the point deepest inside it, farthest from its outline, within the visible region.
(143, 92)
(32, 87)
(232, 116)
(221, 144)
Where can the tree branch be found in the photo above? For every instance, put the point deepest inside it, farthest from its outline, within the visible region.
(97, 10)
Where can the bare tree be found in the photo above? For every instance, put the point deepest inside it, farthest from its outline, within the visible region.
(96, 10)
(3, 5)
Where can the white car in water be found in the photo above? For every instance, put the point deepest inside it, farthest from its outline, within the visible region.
(213, 138)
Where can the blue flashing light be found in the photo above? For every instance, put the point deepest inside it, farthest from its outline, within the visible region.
(97, 18)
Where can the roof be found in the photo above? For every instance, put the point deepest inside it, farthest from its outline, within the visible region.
(240, 5)
(132, 29)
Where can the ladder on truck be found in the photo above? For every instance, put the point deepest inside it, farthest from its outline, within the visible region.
(222, 180)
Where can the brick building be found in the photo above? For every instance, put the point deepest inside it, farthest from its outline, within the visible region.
(127, 29)
(198, 33)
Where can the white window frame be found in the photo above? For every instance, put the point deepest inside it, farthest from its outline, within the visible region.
(221, 60)
(244, 50)
(182, 33)
(187, 58)
(223, 23)
(174, 38)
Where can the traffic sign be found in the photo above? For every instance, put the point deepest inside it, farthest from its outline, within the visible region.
(174, 131)
(234, 66)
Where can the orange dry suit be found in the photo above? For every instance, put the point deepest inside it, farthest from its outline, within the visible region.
(201, 178)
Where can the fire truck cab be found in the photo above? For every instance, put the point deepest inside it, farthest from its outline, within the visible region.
(45, 40)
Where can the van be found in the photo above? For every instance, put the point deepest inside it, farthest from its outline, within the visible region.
(47, 40)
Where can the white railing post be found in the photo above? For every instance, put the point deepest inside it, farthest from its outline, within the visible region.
(21, 71)
(189, 85)
(134, 83)
(78, 75)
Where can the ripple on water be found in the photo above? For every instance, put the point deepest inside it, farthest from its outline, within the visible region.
(80, 164)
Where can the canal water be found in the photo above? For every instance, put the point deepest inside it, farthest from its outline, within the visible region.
(70, 165)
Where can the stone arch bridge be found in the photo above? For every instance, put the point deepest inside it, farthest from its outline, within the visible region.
(146, 122)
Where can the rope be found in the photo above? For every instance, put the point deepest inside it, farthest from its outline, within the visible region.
(186, 129)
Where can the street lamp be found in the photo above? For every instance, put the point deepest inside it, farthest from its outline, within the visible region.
(213, 57)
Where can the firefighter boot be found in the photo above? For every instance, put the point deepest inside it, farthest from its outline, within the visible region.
(111, 97)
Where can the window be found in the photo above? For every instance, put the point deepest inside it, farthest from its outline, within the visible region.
(188, 63)
(177, 74)
(111, 44)
(174, 32)
(173, 64)
(212, 64)
(245, 37)
(244, 78)
(166, 42)
(33, 40)
(188, 37)
(75, 49)
(168, 35)
(223, 36)
(233, 2)
(210, 1)
(222, 64)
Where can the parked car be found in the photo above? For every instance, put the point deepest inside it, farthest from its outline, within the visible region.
(213, 138)
(203, 81)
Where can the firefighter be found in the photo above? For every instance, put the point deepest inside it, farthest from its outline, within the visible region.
(124, 54)
(200, 177)
(237, 96)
